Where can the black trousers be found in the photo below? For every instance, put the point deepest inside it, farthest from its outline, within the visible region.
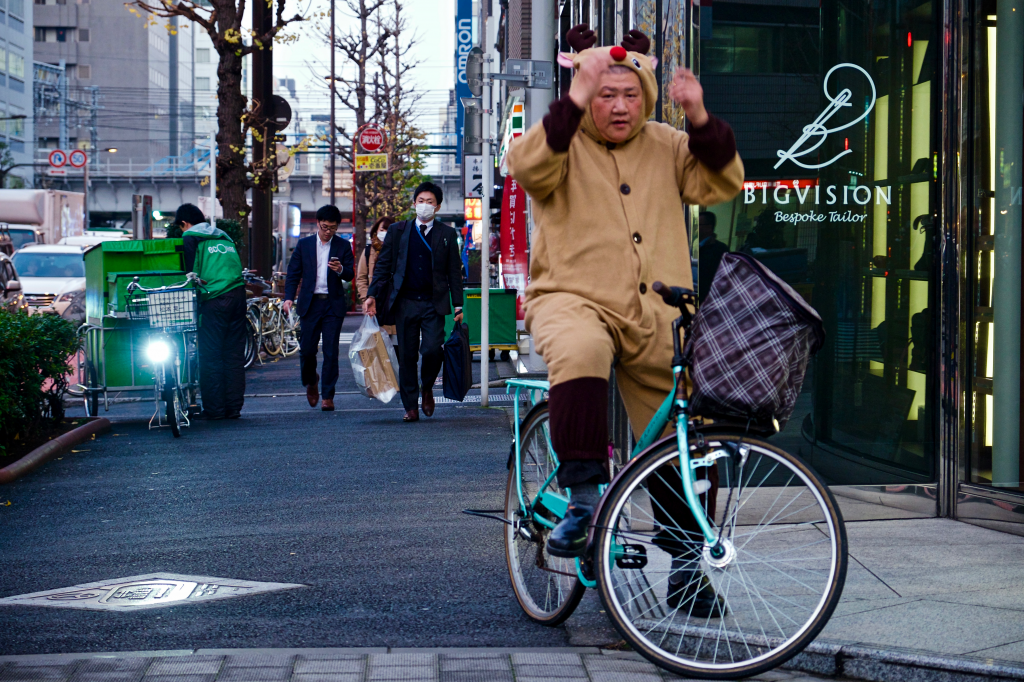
(416, 318)
(319, 320)
(222, 353)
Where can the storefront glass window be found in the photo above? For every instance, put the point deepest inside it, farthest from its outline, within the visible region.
(998, 58)
(834, 109)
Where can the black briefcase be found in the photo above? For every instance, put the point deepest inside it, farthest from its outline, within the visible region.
(458, 363)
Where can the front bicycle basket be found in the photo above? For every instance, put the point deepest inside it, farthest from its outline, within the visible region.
(172, 309)
(750, 343)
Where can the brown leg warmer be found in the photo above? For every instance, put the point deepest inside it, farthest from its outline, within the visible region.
(578, 414)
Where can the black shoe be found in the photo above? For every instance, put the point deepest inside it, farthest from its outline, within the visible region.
(206, 416)
(691, 592)
(569, 538)
(233, 415)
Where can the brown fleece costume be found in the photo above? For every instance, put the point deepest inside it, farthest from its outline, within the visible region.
(608, 223)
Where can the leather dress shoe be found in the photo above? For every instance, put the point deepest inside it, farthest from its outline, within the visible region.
(328, 405)
(411, 416)
(313, 395)
(428, 402)
(206, 416)
(569, 537)
(691, 592)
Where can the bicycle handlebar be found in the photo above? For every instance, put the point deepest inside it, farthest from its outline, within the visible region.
(189, 277)
(677, 297)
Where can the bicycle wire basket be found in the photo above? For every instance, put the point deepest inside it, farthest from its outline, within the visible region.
(173, 309)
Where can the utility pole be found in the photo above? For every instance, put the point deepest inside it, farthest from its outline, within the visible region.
(261, 245)
(213, 176)
(94, 137)
(485, 216)
(62, 93)
(333, 151)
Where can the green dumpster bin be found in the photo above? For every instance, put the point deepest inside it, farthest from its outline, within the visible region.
(115, 359)
(502, 316)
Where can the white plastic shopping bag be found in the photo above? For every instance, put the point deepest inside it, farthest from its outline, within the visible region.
(374, 363)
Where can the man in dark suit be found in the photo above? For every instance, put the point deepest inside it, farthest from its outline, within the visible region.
(320, 262)
(709, 254)
(420, 261)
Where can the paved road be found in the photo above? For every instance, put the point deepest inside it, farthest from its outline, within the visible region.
(358, 506)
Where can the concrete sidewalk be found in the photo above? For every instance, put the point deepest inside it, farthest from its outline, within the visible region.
(350, 665)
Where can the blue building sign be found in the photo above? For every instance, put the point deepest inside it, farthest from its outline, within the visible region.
(463, 44)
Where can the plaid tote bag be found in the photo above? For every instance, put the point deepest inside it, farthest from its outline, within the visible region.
(749, 344)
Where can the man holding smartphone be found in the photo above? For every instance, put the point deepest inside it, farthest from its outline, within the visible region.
(320, 264)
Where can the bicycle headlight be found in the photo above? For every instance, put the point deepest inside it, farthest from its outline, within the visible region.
(158, 350)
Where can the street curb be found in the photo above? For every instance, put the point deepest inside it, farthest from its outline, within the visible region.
(874, 664)
(58, 446)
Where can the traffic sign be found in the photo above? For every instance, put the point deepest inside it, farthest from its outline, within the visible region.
(57, 171)
(77, 158)
(372, 138)
(58, 158)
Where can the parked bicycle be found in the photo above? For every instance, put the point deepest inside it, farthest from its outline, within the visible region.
(712, 502)
(268, 327)
(172, 312)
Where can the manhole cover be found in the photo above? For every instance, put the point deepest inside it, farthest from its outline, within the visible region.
(149, 591)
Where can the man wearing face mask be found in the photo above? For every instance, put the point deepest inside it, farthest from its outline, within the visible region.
(420, 272)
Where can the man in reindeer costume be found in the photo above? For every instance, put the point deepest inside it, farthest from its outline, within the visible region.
(608, 187)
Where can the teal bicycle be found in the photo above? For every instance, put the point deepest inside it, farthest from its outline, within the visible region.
(713, 503)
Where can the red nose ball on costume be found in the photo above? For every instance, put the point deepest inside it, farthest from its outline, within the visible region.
(618, 53)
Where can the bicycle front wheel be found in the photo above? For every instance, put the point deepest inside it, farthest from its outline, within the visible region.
(547, 587)
(721, 617)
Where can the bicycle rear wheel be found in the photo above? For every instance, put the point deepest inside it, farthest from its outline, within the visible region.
(290, 337)
(780, 579)
(252, 337)
(547, 587)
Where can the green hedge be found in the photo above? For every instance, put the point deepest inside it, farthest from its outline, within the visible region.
(33, 349)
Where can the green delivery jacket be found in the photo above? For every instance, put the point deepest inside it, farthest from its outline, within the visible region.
(212, 255)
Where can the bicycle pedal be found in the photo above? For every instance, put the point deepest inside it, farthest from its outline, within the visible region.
(631, 557)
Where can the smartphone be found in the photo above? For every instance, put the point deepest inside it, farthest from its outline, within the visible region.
(335, 258)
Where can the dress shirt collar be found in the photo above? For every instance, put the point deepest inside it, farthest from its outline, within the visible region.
(426, 226)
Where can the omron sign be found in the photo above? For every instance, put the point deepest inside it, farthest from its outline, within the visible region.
(815, 134)
(464, 43)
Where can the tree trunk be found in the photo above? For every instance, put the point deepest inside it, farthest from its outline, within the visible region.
(231, 168)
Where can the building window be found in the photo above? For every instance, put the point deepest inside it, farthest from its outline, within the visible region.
(84, 72)
(16, 7)
(83, 35)
(203, 55)
(3, 59)
(16, 24)
(16, 65)
(202, 83)
(158, 79)
(40, 34)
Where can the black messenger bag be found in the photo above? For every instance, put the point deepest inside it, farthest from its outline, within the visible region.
(749, 344)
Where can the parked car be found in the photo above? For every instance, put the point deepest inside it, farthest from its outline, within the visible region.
(93, 238)
(53, 279)
(11, 297)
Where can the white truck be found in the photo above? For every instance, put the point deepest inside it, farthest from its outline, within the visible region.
(42, 215)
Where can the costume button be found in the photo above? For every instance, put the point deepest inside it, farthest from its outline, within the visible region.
(637, 238)
(643, 288)
(624, 188)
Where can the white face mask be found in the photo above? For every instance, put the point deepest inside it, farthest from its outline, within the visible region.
(425, 212)
(381, 234)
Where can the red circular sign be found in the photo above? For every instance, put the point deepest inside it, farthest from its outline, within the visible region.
(371, 139)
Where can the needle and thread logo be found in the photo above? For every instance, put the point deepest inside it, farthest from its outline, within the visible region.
(815, 134)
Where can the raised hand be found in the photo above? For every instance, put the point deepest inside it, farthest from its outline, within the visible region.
(685, 90)
(587, 80)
